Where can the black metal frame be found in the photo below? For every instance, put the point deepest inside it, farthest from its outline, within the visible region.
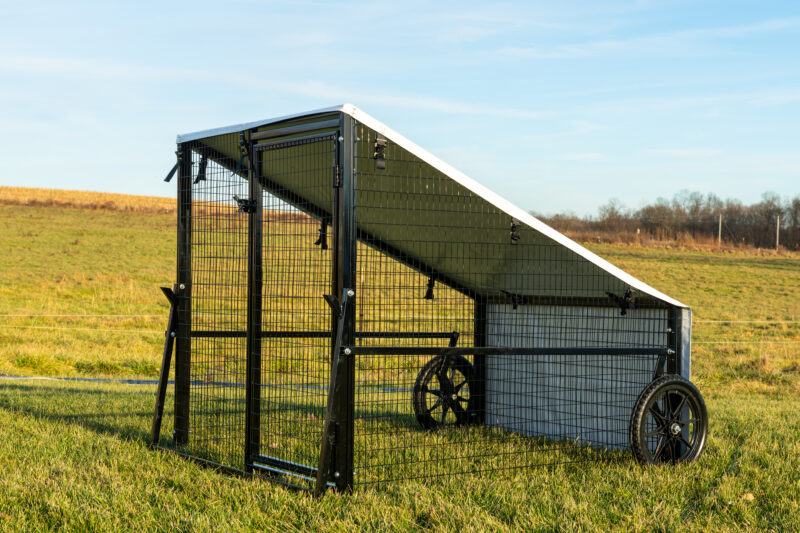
(336, 457)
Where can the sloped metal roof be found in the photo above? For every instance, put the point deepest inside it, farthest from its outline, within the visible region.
(450, 269)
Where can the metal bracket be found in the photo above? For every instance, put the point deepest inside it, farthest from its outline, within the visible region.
(171, 173)
(201, 171)
(624, 302)
(513, 298)
(322, 240)
(246, 205)
(333, 301)
(379, 152)
(429, 292)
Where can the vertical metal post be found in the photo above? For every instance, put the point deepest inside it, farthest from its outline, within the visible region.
(719, 231)
(345, 242)
(778, 232)
(255, 277)
(184, 297)
(479, 362)
(684, 342)
(673, 325)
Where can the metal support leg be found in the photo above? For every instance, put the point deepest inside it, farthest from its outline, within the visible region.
(166, 360)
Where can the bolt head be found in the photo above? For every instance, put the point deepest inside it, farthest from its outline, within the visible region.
(675, 428)
(172, 334)
(351, 292)
(336, 475)
(181, 286)
(455, 397)
(348, 351)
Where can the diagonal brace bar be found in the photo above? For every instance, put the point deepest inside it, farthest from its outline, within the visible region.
(337, 383)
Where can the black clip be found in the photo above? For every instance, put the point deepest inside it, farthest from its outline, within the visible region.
(515, 224)
(201, 171)
(429, 292)
(246, 205)
(624, 302)
(379, 153)
(322, 241)
(174, 169)
(513, 297)
(242, 150)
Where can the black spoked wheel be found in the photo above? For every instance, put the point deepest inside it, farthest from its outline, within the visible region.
(669, 422)
(442, 392)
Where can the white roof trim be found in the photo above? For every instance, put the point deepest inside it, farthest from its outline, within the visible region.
(236, 128)
(464, 180)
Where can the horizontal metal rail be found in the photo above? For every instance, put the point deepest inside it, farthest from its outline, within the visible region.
(291, 130)
(282, 464)
(499, 350)
(327, 334)
(295, 141)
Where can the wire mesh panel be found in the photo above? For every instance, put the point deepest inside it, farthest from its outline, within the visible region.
(296, 322)
(439, 266)
(216, 368)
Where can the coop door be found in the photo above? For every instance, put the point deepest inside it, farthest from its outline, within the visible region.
(210, 382)
(297, 197)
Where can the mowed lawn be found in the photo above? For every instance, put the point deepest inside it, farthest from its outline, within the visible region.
(74, 455)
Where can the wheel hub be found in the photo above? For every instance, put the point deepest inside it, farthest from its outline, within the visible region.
(675, 428)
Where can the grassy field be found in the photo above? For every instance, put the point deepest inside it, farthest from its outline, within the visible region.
(75, 454)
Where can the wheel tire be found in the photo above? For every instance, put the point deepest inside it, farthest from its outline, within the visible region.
(454, 375)
(661, 430)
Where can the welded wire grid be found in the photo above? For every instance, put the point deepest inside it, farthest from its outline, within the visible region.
(219, 255)
(436, 258)
(296, 320)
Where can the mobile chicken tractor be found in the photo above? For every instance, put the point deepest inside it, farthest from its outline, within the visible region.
(350, 310)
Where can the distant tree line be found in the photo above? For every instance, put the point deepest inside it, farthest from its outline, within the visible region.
(691, 216)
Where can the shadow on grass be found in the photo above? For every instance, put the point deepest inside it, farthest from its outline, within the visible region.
(126, 413)
(121, 413)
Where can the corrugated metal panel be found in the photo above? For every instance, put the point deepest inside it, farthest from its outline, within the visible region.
(588, 399)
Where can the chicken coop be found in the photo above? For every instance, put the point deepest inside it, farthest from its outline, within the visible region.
(349, 310)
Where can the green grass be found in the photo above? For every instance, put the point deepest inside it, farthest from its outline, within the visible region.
(74, 455)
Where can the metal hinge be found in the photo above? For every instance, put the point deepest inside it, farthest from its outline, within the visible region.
(246, 205)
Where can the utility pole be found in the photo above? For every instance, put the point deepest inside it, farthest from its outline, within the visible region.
(719, 231)
(778, 232)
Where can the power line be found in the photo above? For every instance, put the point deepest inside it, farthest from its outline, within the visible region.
(10, 326)
(61, 316)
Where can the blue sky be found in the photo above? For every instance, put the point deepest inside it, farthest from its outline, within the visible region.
(555, 105)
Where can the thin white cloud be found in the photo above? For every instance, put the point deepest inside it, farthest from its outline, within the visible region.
(83, 68)
(670, 43)
(586, 156)
(686, 152)
(89, 69)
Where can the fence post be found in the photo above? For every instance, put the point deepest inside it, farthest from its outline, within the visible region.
(778, 232)
(255, 277)
(184, 297)
(345, 241)
(719, 232)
